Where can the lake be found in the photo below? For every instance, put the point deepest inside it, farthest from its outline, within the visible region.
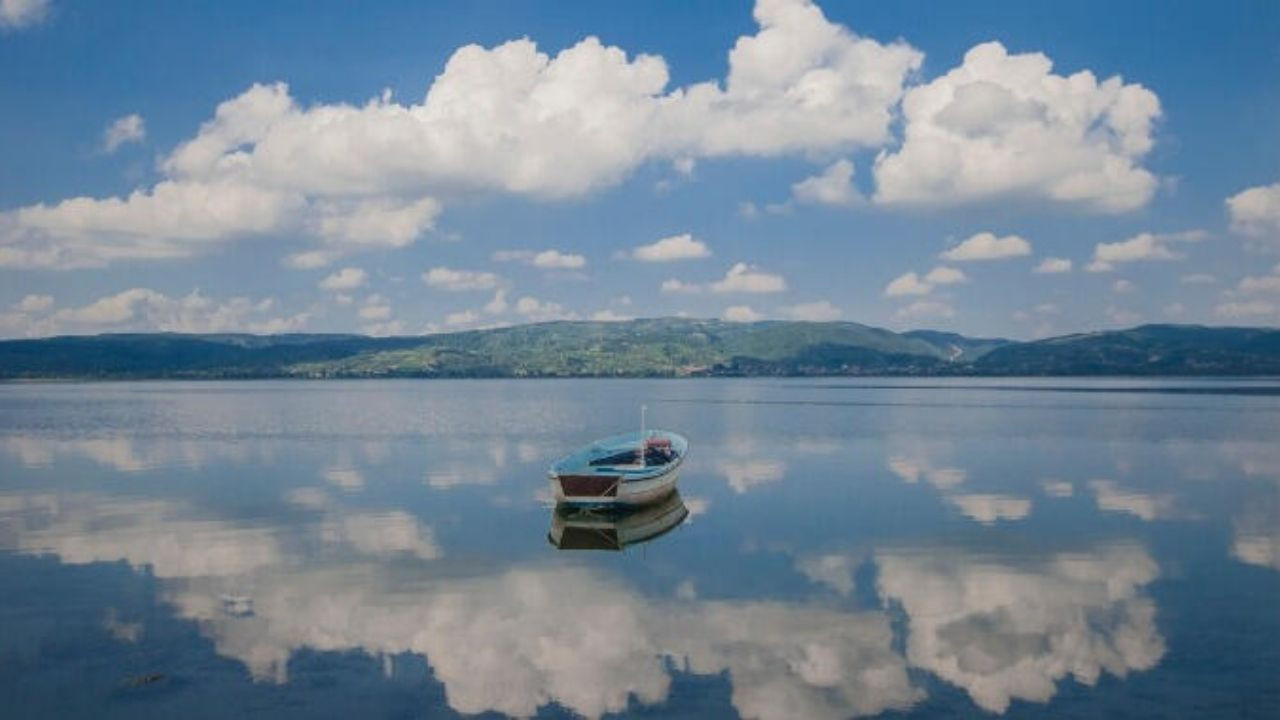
(852, 548)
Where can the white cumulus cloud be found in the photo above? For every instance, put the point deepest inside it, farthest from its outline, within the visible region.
(1142, 247)
(376, 307)
(147, 310)
(1121, 316)
(744, 278)
(1248, 310)
(310, 259)
(172, 219)
(498, 305)
(128, 129)
(545, 259)
(987, 246)
(1004, 125)
(375, 222)
(911, 283)
(741, 313)
(511, 118)
(1262, 283)
(819, 311)
(554, 259)
(345, 279)
(908, 283)
(1256, 212)
(462, 317)
(801, 84)
(834, 186)
(943, 275)
(18, 14)
(1053, 266)
(460, 280)
(669, 249)
(610, 315)
(35, 303)
(541, 310)
(508, 118)
(672, 285)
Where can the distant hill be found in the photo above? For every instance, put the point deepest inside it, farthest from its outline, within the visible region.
(959, 347)
(1146, 350)
(664, 347)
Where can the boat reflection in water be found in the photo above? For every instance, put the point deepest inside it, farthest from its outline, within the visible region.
(576, 528)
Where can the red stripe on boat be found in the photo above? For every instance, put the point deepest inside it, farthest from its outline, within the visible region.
(589, 485)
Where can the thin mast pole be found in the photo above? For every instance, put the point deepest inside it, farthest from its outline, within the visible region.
(643, 408)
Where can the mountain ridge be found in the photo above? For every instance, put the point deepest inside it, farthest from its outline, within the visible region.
(651, 347)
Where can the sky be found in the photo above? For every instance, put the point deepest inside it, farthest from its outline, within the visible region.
(1017, 169)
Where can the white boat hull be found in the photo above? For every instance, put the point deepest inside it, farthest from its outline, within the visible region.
(626, 470)
(625, 493)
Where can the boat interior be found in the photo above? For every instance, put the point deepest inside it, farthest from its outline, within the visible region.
(631, 454)
(654, 454)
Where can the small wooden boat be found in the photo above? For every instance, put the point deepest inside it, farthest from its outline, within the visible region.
(630, 469)
(576, 528)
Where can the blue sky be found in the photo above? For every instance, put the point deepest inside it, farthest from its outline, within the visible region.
(1004, 168)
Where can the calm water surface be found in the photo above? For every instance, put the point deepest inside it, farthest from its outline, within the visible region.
(852, 548)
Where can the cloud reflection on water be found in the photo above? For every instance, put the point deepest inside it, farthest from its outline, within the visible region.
(1002, 630)
(516, 639)
(167, 538)
(984, 508)
(122, 453)
(1114, 497)
(987, 508)
(523, 638)
(1257, 534)
(982, 558)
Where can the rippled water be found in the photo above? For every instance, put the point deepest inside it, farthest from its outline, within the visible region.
(850, 548)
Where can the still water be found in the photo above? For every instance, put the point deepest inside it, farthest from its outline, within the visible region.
(846, 548)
